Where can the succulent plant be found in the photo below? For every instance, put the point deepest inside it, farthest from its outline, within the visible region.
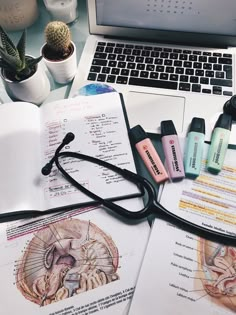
(58, 38)
(15, 64)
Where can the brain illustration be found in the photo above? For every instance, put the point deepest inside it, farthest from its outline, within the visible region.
(218, 265)
(65, 259)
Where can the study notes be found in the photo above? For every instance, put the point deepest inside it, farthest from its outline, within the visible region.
(71, 263)
(29, 136)
(209, 200)
(183, 274)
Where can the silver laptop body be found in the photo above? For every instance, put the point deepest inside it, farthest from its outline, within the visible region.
(178, 58)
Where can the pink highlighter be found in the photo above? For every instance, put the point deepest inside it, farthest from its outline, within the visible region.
(172, 151)
(148, 154)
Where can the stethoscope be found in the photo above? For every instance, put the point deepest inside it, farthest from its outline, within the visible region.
(152, 206)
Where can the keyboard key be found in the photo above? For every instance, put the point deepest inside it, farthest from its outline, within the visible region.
(183, 57)
(194, 79)
(139, 59)
(140, 66)
(184, 86)
(112, 63)
(121, 64)
(115, 71)
(144, 74)
(179, 70)
(207, 66)
(92, 76)
(221, 82)
(164, 76)
(174, 77)
(131, 65)
(106, 70)
(101, 77)
(153, 75)
(111, 56)
(199, 73)
(204, 80)
(227, 61)
(219, 75)
(196, 88)
(227, 93)
(158, 61)
(122, 80)
(134, 73)
(170, 69)
(99, 62)
(99, 55)
(228, 71)
(183, 78)
(111, 78)
(212, 59)
(209, 74)
(178, 63)
(136, 52)
(130, 58)
(160, 68)
(150, 67)
(96, 69)
(189, 71)
(217, 90)
(121, 57)
(124, 72)
(197, 65)
(154, 83)
(192, 58)
(207, 91)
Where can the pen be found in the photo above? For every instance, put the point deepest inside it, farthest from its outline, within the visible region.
(219, 143)
(194, 147)
(172, 151)
(148, 154)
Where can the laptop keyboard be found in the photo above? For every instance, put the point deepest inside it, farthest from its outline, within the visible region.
(161, 67)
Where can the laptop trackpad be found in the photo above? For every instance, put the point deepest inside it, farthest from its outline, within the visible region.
(148, 110)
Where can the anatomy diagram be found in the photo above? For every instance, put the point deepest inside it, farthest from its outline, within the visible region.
(64, 259)
(218, 276)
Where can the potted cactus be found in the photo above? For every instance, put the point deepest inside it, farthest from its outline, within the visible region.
(22, 76)
(59, 52)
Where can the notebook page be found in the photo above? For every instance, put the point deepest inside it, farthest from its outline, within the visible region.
(20, 156)
(100, 130)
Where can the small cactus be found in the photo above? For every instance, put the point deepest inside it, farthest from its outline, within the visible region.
(58, 37)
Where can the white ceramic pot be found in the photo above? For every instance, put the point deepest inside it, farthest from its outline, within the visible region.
(62, 71)
(34, 89)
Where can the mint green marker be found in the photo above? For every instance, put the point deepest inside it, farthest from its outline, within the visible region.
(219, 143)
(194, 147)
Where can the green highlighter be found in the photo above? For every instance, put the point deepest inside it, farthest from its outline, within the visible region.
(219, 143)
(194, 147)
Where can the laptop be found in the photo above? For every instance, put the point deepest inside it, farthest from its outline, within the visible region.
(171, 59)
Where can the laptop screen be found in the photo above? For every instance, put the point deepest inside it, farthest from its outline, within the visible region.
(204, 16)
(211, 20)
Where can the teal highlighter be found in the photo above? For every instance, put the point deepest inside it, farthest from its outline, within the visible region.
(219, 143)
(194, 147)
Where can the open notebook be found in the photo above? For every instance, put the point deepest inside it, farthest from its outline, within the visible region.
(170, 59)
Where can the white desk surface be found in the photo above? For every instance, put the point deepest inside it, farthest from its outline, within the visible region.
(35, 40)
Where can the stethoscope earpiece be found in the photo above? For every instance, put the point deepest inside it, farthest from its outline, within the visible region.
(230, 107)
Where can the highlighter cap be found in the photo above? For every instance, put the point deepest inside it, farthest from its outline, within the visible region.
(224, 121)
(168, 128)
(137, 134)
(197, 125)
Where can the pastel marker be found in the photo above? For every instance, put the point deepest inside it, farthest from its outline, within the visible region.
(194, 147)
(148, 154)
(172, 151)
(219, 143)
